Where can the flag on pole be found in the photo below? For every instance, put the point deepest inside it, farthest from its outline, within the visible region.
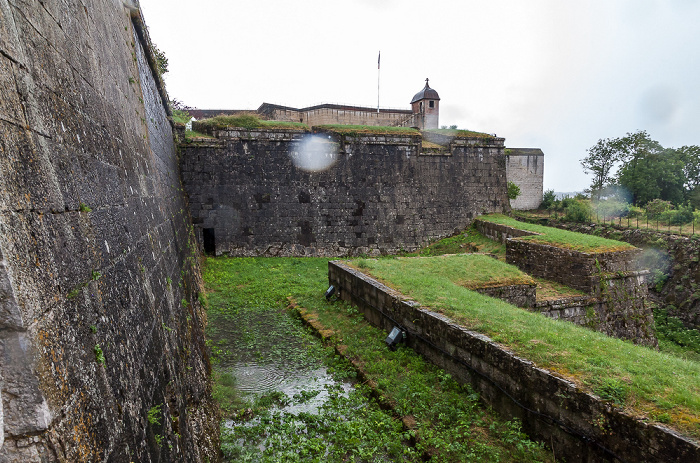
(379, 57)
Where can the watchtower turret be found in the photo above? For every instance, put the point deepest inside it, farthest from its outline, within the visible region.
(426, 108)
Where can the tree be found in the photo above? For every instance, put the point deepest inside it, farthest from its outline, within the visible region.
(513, 190)
(548, 199)
(690, 156)
(654, 173)
(600, 161)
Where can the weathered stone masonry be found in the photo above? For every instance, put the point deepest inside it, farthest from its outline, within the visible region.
(382, 195)
(616, 303)
(95, 256)
(577, 425)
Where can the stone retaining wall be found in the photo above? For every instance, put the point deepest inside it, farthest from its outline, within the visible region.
(579, 426)
(379, 196)
(498, 232)
(677, 257)
(100, 320)
(610, 277)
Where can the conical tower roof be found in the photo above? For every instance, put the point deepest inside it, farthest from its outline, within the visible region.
(426, 93)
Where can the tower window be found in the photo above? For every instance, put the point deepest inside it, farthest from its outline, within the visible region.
(431, 104)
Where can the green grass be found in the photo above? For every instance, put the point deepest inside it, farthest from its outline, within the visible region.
(247, 121)
(467, 270)
(459, 133)
(368, 130)
(192, 134)
(674, 337)
(451, 425)
(180, 116)
(560, 238)
(654, 384)
(468, 241)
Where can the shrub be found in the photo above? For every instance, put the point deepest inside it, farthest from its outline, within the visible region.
(635, 212)
(548, 199)
(513, 190)
(656, 207)
(578, 211)
(612, 208)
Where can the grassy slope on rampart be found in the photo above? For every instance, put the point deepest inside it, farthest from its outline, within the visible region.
(560, 238)
(467, 270)
(367, 129)
(461, 133)
(247, 121)
(646, 383)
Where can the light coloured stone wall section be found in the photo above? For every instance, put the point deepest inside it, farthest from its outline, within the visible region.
(525, 168)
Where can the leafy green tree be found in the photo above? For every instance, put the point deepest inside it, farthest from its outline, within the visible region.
(690, 156)
(600, 161)
(656, 173)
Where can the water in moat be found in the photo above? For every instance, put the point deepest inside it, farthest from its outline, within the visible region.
(269, 352)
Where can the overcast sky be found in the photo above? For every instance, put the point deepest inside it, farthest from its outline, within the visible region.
(552, 74)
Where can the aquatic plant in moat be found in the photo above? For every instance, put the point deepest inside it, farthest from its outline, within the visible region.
(448, 423)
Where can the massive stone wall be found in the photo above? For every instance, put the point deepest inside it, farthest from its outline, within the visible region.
(382, 194)
(525, 168)
(578, 426)
(99, 316)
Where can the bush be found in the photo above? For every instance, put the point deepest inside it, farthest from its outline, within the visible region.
(612, 208)
(635, 212)
(656, 207)
(513, 190)
(680, 216)
(548, 199)
(578, 211)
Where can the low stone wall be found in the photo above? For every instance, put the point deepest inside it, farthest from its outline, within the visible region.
(579, 426)
(578, 270)
(498, 232)
(577, 309)
(518, 295)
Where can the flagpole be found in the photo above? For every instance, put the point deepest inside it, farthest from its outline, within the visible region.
(379, 57)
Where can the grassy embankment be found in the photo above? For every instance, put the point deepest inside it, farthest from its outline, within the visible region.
(445, 420)
(248, 121)
(354, 130)
(561, 238)
(460, 133)
(646, 383)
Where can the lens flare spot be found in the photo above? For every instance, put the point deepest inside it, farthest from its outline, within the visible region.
(314, 153)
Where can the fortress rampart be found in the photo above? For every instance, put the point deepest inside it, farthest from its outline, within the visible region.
(383, 194)
(99, 315)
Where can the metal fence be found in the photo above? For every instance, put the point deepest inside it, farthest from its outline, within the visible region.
(690, 228)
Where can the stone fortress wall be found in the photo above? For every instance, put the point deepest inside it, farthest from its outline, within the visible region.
(525, 168)
(99, 314)
(383, 194)
(338, 114)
